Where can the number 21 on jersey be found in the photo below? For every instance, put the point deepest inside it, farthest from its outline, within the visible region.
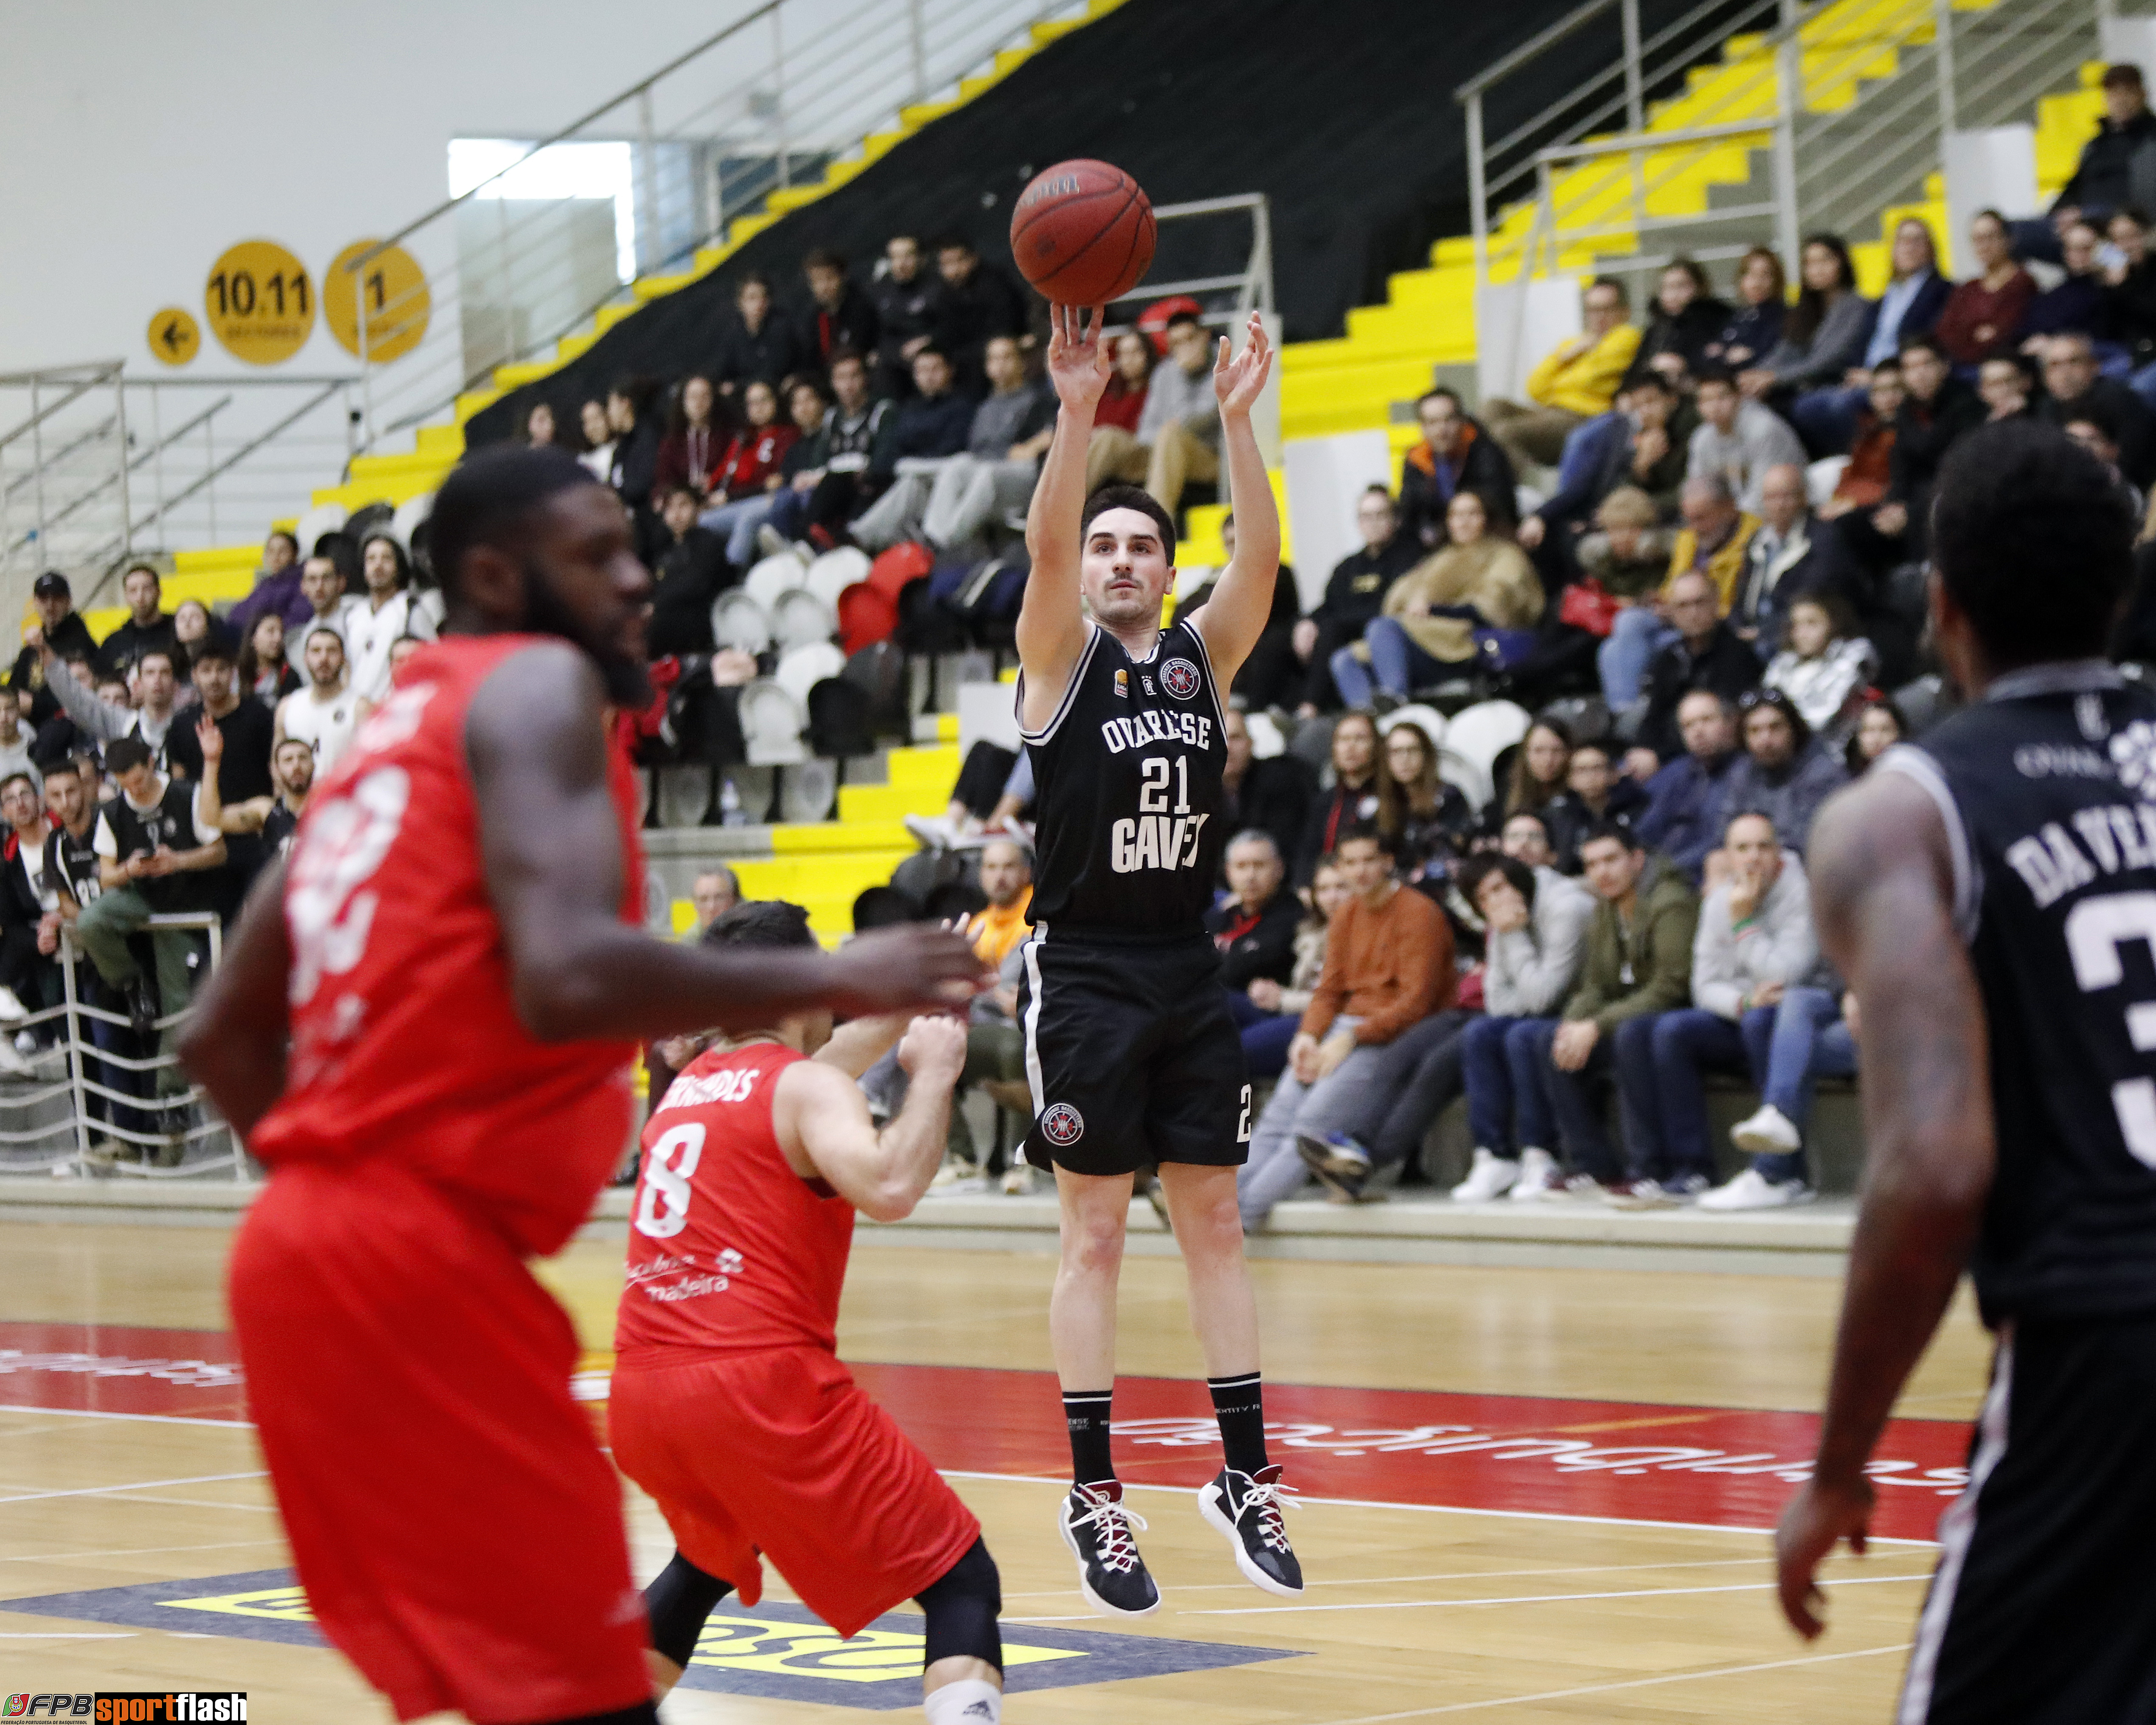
(1159, 837)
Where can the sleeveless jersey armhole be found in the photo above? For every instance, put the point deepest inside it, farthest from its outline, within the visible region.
(1212, 678)
(1069, 693)
(1914, 764)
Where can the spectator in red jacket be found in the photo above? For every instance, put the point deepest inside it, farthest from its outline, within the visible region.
(1124, 400)
(1983, 313)
(748, 471)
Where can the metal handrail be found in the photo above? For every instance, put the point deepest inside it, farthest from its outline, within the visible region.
(1625, 145)
(1533, 48)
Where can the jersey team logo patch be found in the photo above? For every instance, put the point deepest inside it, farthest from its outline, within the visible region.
(1063, 1125)
(1179, 677)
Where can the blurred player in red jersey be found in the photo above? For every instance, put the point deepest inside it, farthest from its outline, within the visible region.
(451, 953)
(729, 1404)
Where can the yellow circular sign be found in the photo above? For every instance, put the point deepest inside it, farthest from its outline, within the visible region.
(260, 302)
(175, 336)
(395, 290)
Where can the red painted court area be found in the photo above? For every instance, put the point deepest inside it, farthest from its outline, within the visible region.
(1723, 1467)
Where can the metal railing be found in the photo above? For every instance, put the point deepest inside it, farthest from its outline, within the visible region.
(97, 466)
(721, 132)
(81, 1113)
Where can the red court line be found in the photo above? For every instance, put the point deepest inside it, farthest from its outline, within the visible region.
(1724, 1467)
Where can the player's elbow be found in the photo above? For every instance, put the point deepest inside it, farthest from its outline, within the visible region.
(557, 1001)
(889, 1200)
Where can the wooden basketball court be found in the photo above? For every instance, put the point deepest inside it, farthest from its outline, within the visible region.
(1530, 1495)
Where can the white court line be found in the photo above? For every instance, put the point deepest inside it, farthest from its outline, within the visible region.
(200, 1479)
(100, 1413)
(258, 1509)
(1515, 1700)
(71, 1635)
(1224, 1587)
(1438, 1509)
(136, 1551)
(1640, 1593)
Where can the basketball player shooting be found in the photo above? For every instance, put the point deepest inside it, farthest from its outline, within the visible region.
(1130, 1052)
(1990, 894)
(424, 1027)
(729, 1404)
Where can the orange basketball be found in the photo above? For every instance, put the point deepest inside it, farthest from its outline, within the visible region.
(1083, 233)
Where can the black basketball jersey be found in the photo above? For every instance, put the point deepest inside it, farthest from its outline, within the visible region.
(2048, 788)
(1126, 792)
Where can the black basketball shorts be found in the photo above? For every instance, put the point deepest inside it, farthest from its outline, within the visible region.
(1132, 1056)
(2041, 1611)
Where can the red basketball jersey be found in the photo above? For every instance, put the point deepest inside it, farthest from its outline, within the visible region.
(730, 1250)
(405, 1041)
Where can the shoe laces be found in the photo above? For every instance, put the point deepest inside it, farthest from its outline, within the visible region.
(1111, 1522)
(1266, 1498)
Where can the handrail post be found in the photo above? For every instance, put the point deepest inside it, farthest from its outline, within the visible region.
(119, 431)
(37, 470)
(1635, 103)
(75, 1053)
(648, 252)
(1789, 103)
(1943, 66)
(1478, 216)
(917, 29)
(778, 95)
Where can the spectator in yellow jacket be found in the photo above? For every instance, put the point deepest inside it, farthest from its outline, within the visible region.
(1575, 382)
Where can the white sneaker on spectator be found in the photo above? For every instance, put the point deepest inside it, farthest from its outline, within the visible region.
(1769, 1133)
(771, 542)
(1638, 1195)
(12, 1010)
(12, 1063)
(1538, 1177)
(1491, 1176)
(1752, 1190)
(26, 1042)
(1580, 1189)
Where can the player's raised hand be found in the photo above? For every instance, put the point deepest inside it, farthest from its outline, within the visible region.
(1079, 363)
(933, 1050)
(1239, 380)
(1819, 1519)
(909, 966)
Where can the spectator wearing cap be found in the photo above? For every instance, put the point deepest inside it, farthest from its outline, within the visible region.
(1786, 773)
(276, 585)
(2117, 167)
(148, 623)
(1456, 453)
(838, 315)
(60, 623)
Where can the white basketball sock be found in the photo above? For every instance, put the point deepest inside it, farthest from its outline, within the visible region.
(967, 1701)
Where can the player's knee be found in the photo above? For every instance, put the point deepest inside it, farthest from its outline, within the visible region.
(1093, 1242)
(962, 1604)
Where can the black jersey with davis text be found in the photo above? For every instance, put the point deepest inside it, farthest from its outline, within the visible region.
(1126, 792)
(2048, 788)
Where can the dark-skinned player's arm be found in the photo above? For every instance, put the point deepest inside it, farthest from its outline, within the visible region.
(1883, 892)
(233, 1041)
(551, 843)
(824, 1129)
(1232, 617)
(1051, 626)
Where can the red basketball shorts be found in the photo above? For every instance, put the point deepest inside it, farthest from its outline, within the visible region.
(781, 1453)
(456, 1526)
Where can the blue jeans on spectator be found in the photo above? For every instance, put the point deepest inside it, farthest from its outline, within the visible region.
(1583, 451)
(1504, 1086)
(1576, 1099)
(738, 520)
(789, 513)
(1396, 662)
(1264, 1043)
(1637, 634)
(1826, 419)
(1672, 1111)
(1789, 1046)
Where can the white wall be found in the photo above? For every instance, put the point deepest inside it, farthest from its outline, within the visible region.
(141, 139)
